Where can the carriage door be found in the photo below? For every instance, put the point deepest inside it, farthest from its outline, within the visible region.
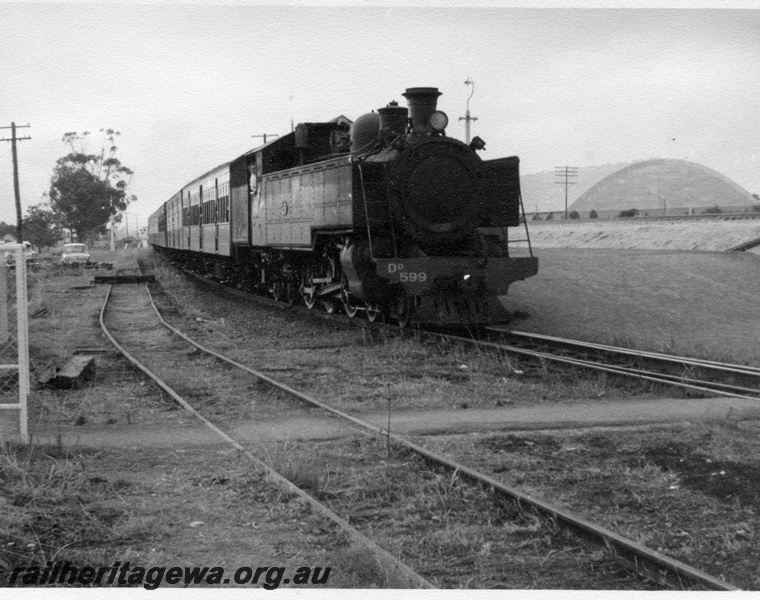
(202, 219)
(188, 220)
(215, 216)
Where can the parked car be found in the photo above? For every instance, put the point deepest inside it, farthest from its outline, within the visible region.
(74, 254)
(29, 254)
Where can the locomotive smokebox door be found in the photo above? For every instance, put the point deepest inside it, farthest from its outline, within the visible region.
(437, 193)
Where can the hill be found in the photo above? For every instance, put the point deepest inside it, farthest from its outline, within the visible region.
(541, 194)
(665, 186)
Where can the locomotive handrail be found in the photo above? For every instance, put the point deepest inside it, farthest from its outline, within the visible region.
(390, 219)
(366, 210)
(525, 224)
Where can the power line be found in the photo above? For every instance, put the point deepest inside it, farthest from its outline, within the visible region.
(565, 173)
(13, 139)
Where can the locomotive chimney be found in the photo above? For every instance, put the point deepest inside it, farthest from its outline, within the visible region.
(393, 119)
(422, 103)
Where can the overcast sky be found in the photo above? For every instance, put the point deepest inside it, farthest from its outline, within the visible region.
(188, 85)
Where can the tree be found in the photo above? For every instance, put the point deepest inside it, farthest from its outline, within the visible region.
(41, 226)
(593, 214)
(86, 190)
(5, 229)
(574, 214)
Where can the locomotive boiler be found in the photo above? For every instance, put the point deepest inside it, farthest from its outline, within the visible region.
(383, 216)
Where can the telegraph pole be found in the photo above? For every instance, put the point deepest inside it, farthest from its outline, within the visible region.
(467, 118)
(292, 127)
(264, 135)
(16, 191)
(565, 173)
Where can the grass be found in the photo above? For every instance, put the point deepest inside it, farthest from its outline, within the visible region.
(406, 371)
(457, 534)
(305, 470)
(358, 370)
(688, 491)
(53, 509)
(703, 303)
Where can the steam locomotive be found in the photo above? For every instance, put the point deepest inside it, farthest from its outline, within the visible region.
(386, 216)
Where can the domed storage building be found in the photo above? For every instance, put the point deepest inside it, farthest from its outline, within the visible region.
(663, 186)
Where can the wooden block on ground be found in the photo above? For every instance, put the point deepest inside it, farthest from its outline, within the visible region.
(118, 279)
(79, 369)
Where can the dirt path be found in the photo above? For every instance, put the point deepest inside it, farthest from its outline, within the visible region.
(188, 432)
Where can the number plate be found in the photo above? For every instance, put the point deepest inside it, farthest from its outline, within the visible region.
(398, 271)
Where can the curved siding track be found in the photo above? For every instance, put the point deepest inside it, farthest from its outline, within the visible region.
(123, 307)
(494, 516)
(702, 376)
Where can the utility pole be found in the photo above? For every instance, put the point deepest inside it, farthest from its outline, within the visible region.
(292, 127)
(565, 173)
(16, 191)
(264, 135)
(467, 118)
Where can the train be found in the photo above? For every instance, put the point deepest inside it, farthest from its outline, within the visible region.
(385, 216)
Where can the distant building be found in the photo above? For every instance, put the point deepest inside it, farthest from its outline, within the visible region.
(654, 187)
(541, 193)
(664, 186)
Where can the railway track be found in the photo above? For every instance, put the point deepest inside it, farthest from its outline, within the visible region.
(652, 565)
(653, 367)
(696, 375)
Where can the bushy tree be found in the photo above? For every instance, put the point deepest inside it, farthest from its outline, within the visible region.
(5, 229)
(592, 214)
(574, 214)
(41, 227)
(86, 190)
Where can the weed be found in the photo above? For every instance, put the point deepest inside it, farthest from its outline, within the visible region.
(305, 470)
(364, 565)
(447, 490)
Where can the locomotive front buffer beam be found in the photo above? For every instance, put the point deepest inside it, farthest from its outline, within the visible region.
(452, 290)
(456, 276)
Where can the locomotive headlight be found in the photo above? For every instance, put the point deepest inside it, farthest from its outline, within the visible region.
(438, 120)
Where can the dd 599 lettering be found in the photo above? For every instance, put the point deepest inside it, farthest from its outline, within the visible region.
(406, 276)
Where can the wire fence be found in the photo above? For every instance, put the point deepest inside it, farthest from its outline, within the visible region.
(14, 345)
